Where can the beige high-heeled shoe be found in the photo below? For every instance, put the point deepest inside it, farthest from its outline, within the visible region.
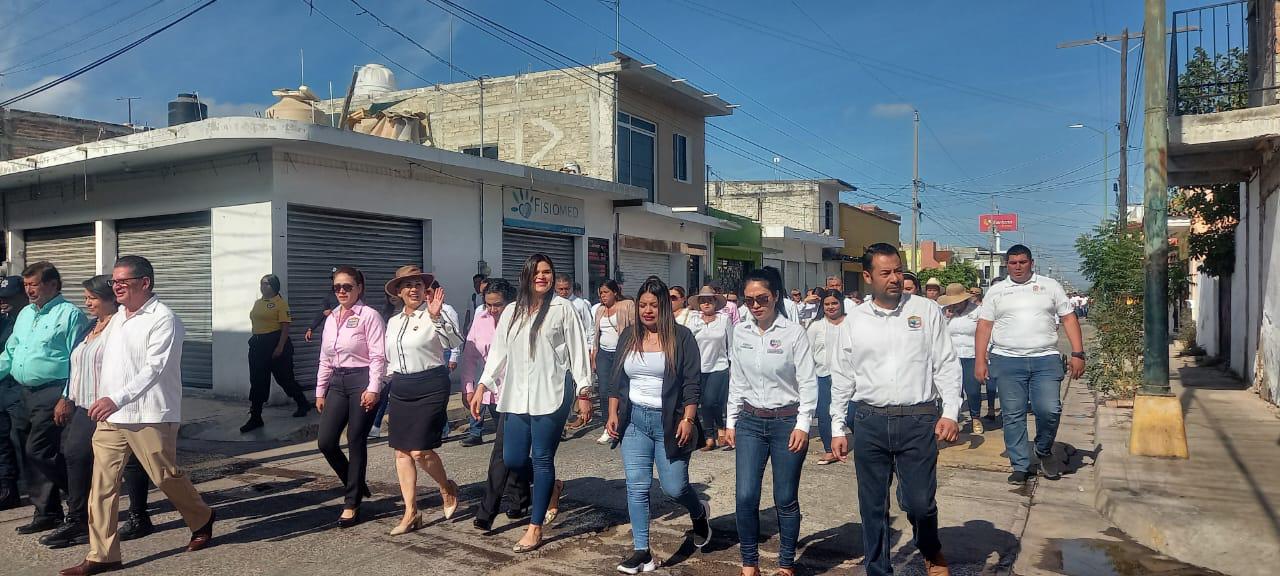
(448, 511)
(414, 524)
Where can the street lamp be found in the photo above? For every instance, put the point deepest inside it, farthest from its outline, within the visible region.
(1106, 168)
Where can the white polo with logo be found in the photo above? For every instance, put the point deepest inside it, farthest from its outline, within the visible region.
(1025, 316)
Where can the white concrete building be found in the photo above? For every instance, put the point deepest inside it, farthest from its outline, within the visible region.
(801, 255)
(216, 204)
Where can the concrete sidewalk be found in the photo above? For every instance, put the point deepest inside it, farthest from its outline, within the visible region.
(1217, 509)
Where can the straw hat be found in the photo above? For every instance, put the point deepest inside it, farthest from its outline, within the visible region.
(707, 292)
(934, 282)
(955, 294)
(406, 273)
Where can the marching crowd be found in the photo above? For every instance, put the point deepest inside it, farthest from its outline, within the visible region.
(94, 400)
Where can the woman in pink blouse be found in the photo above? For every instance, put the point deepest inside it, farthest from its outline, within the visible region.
(349, 384)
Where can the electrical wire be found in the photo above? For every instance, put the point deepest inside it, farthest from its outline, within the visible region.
(103, 60)
(397, 31)
(23, 14)
(37, 62)
(62, 28)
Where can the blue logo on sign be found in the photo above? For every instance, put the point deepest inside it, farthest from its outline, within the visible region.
(524, 203)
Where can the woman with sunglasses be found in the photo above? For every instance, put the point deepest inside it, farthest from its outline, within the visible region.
(612, 319)
(653, 414)
(680, 305)
(772, 396)
(713, 331)
(824, 339)
(537, 341)
(497, 293)
(417, 341)
(348, 386)
(271, 353)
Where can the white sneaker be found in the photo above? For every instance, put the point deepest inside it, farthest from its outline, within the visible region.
(604, 438)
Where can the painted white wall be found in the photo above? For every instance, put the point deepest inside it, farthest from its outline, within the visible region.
(241, 253)
(1207, 316)
(105, 243)
(1269, 337)
(1239, 286)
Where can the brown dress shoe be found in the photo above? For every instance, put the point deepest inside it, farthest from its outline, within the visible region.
(200, 538)
(89, 567)
(937, 567)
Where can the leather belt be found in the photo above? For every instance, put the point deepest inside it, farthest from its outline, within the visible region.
(783, 412)
(922, 409)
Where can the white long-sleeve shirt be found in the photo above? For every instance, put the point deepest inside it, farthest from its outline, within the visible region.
(824, 338)
(455, 351)
(415, 342)
(898, 357)
(533, 380)
(772, 370)
(964, 332)
(142, 365)
(714, 340)
(583, 308)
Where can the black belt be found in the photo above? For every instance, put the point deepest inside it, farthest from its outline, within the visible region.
(783, 412)
(921, 409)
(355, 370)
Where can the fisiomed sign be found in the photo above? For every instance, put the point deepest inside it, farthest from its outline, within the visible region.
(534, 210)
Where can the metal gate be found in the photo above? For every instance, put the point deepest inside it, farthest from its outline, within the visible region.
(72, 251)
(637, 266)
(519, 245)
(318, 240)
(178, 247)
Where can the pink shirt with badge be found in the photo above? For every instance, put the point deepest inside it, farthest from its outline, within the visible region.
(352, 338)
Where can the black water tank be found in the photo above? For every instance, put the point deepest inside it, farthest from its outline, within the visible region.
(187, 108)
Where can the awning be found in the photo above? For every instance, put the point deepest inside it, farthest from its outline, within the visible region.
(626, 206)
(747, 248)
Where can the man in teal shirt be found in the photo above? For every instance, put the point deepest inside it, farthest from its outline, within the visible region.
(38, 357)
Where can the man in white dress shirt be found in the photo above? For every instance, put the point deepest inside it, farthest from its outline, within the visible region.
(138, 412)
(896, 363)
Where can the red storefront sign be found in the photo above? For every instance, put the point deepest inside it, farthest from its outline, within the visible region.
(1002, 222)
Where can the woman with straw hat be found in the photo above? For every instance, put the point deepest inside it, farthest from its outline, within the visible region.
(713, 332)
(416, 341)
(961, 310)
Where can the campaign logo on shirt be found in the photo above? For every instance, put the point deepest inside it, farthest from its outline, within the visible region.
(914, 323)
(271, 305)
(353, 321)
(775, 346)
(1036, 288)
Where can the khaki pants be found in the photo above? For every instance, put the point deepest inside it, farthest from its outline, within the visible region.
(156, 447)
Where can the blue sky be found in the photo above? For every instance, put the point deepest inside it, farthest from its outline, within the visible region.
(828, 86)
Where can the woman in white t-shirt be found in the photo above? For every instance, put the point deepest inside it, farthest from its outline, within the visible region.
(654, 415)
(613, 317)
(961, 310)
(714, 333)
(824, 336)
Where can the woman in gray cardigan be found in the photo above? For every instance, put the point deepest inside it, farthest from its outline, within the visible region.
(654, 415)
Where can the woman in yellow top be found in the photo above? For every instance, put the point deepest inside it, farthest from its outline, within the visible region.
(271, 353)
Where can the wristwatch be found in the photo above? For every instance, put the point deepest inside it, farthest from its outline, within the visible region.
(1079, 355)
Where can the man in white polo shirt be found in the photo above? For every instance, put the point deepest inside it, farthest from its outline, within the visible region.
(1018, 325)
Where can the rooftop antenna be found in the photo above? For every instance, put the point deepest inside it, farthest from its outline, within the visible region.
(302, 57)
(129, 102)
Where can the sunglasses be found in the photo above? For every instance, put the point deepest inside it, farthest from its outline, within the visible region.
(343, 288)
(675, 297)
(762, 300)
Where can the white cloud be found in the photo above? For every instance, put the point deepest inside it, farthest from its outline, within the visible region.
(892, 110)
(67, 99)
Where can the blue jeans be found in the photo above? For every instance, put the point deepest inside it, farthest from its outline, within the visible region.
(715, 392)
(475, 427)
(905, 445)
(824, 412)
(532, 441)
(604, 379)
(1037, 380)
(758, 441)
(973, 389)
(643, 447)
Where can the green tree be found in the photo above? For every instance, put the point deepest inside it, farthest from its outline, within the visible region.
(955, 272)
(1111, 261)
(1214, 83)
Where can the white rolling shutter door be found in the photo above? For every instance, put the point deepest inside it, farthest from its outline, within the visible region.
(636, 266)
(178, 247)
(72, 251)
(519, 245)
(318, 240)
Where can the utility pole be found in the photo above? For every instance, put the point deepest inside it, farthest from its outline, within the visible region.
(129, 102)
(480, 80)
(1158, 427)
(1122, 195)
(915, 197)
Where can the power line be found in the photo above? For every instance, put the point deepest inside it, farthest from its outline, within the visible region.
(103, 60)
(20, 15)
(397, 31)
(36, 62)
(63, 27)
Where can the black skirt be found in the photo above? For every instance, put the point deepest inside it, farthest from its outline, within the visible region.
(418, 407)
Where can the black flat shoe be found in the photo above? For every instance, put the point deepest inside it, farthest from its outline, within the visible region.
(136, 526)
(70, 533)
(39, 525)
(349, 522)
(482, 524)
(518, 513)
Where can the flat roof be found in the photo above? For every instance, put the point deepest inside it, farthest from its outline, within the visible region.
(223, 136)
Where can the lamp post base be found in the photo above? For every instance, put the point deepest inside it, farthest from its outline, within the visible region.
(1158, 427)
